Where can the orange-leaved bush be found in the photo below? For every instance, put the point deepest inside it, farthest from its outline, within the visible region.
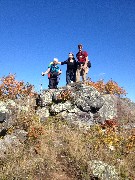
(11, 88)
(111, 87)
(99, 85)
(64, 95)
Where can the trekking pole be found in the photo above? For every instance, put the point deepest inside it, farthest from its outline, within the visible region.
(41, 89)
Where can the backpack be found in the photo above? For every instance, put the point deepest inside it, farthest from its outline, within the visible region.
(89, 64)
(53, 72)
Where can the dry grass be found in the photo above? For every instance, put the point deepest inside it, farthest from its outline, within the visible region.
(58, 150)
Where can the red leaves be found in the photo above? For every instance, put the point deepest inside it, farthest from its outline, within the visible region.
(11, 88)
(110, 124)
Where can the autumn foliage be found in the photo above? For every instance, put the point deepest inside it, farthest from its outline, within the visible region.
(64, 95)
(10, 88)
(111, 87)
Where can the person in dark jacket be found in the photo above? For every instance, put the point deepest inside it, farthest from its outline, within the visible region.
(71, 68)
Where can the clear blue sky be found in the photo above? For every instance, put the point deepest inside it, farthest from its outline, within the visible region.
(33, 32)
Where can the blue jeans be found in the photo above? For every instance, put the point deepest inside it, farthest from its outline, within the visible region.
(70, 76)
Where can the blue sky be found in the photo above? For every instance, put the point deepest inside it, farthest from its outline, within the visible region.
(33, 32)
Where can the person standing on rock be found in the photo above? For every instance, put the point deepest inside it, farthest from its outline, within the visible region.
(71, 68)
(53, 72)
(82, 64)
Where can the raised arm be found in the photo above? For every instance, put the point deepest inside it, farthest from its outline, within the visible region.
(62, 63)
(46, 72)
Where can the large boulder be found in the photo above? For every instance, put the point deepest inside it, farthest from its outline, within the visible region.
(79, 117)
(88, 99)
(75, 104)
(83, 103)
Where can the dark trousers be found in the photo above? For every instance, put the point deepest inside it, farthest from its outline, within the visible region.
(70, 76)
(53, 82)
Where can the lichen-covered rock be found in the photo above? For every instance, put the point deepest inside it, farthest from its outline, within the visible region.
(9, 143)
(88, 98)
(47, 97)
(4, 111)
(102, 170)
(3, 107)
(43, 113)
(126, 111)
(109, 108)
(57, 108)
(20, 134)
(84, 103)
(79, 117)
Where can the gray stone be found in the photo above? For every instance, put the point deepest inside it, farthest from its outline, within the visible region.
(79, 117)
(3, 111)
(102, 170)
(109, 108)
(9, 143)
(43, 113)
(47, 97)
(88, 99)
(57, 108)
(3, 117)
(20, 134)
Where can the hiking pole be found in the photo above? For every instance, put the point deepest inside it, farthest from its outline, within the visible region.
(41, 89)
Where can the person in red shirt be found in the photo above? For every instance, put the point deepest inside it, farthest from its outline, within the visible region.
(82, 68)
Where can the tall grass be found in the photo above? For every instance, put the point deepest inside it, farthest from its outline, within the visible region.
(56, 148)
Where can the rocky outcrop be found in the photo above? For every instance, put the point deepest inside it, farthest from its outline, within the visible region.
(80, 103)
